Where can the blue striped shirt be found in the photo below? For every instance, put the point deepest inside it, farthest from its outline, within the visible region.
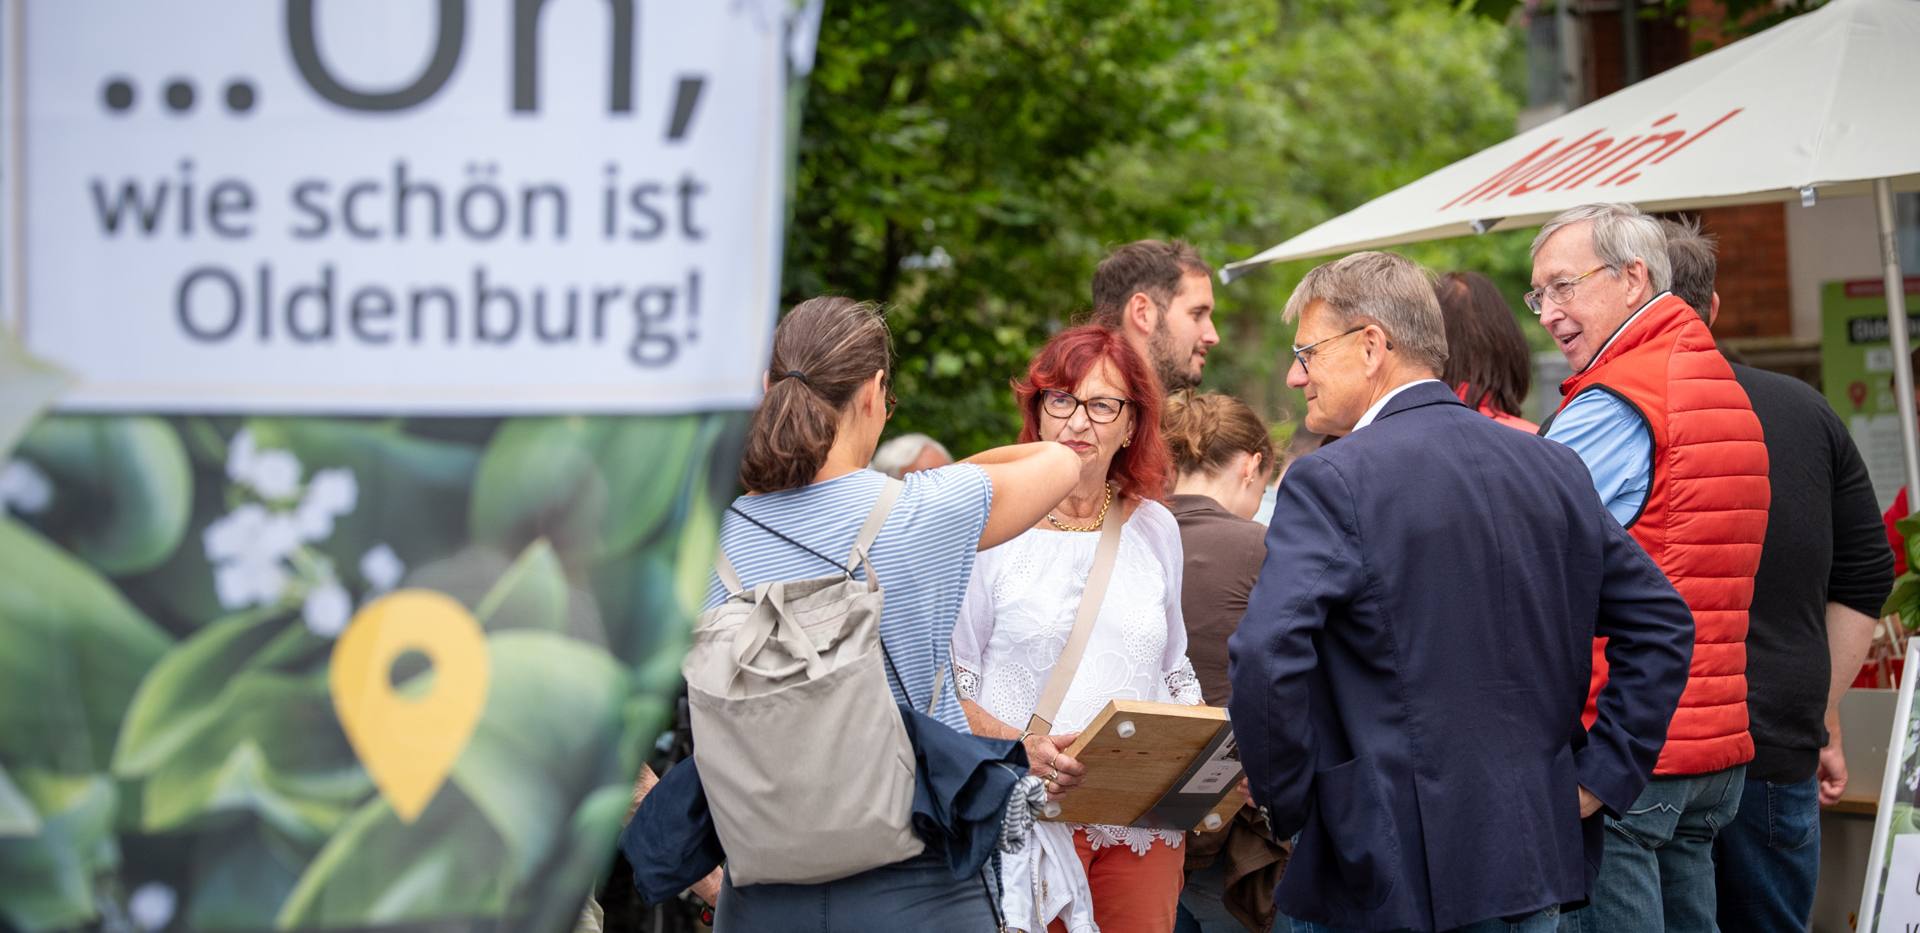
(923, 556)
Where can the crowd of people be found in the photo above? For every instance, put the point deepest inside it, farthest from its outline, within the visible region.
(1483, 675)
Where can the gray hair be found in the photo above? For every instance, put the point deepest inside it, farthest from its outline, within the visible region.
(1389, 290)
(895, 455)
(1690, 252)
(1621, 234)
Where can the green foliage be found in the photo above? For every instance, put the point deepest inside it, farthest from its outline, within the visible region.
(216, 765)
(49, 876)
(1742, 17)
(124, 492)
(1904, 600)
(969, 163)
(591, 485)
(72, 653)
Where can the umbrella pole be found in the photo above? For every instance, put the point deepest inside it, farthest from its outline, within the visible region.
(1897, 333)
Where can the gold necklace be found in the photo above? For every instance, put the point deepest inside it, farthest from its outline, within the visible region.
(1098, 520)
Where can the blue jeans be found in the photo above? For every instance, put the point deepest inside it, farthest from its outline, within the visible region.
(1544, 921)
(1767, 860)
(1201, 907)
(917, 894)
(1657, 870)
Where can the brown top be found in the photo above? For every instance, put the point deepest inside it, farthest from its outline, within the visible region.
(1223, 556)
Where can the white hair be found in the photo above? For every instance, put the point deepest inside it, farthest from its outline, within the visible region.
(1391, 290)
(1621, 234)
(896, 455)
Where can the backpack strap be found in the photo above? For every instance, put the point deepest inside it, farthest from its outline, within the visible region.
(889, 494)
(1104, 556)
(723, 568)
(863, 542)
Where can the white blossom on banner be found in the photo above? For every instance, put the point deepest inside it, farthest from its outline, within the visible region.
(152, 906)
(331, 494)
(24, 489)
(381, 567)
(265, 551)
(327, 609)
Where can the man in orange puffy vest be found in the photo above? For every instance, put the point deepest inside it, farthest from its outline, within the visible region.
(1678, 458)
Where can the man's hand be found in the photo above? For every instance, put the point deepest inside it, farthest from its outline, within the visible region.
(1589, 804)
(708, 888)
(1833, 772)
(641, 785)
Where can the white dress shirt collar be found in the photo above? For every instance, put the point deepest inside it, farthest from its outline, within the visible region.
(1374, 412)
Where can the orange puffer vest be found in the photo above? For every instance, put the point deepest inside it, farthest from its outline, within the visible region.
(1704, 518)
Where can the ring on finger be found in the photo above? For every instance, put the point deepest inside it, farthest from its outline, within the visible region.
(1053, 775)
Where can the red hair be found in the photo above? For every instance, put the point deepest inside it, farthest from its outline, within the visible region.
(1139, 469)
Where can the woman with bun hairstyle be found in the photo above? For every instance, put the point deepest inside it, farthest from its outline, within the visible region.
(1222, 459)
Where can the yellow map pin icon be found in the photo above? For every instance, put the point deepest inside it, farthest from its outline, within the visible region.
(409, 739)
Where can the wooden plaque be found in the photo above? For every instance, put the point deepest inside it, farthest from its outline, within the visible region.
(1178, 766)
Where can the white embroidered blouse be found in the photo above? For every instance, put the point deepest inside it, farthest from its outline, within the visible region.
(1020, 606)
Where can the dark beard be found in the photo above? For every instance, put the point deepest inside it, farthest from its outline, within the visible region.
(1166, 363)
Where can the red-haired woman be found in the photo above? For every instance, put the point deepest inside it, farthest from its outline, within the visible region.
(1089, 390)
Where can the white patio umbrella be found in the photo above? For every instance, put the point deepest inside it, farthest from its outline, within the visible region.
(1820, 105)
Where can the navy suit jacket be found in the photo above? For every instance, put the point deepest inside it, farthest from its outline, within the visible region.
(1410, 673)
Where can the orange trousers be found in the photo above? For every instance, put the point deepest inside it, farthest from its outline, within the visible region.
(1131, 893)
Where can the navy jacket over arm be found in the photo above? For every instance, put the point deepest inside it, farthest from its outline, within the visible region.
(1409, 676)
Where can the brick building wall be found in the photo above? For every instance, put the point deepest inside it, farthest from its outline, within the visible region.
(1755, 297)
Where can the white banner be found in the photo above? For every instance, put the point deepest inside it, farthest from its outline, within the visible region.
(371, 206)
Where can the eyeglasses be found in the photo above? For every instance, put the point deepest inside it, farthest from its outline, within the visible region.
(1062, 405)
(1303, 354)
(1559, 292)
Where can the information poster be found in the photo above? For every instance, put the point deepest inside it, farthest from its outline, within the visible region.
(1891, 901)
(371, 376)
(1856, 365)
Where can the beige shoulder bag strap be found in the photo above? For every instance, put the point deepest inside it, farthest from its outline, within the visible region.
(1090, 599)
(862, 543)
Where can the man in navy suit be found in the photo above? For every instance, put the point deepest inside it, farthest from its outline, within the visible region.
(1410, 673)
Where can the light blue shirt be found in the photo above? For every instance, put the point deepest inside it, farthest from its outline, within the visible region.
(1614, 441)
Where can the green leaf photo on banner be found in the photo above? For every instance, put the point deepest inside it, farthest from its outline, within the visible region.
(202, 755)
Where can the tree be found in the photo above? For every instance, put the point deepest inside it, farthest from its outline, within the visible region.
(969, 163)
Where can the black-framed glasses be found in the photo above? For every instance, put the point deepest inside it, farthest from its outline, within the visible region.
(1559, 292)
(1100, 409)
(1302, 355)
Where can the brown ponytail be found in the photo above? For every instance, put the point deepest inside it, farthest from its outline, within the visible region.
(1206, 431)
(824, 350)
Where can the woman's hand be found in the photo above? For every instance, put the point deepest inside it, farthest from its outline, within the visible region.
(1047, 759)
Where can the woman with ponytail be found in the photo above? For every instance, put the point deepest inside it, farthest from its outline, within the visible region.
(809, 490)
(1222, 459)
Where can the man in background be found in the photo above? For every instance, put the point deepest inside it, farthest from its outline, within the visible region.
(1824, 573)
(1159, 295)
(909, 453)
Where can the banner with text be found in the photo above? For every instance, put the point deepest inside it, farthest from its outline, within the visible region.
(372, 376)
(1856, 374)
(428, 205)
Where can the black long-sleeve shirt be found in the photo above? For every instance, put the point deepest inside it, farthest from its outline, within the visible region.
(1824, 545)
